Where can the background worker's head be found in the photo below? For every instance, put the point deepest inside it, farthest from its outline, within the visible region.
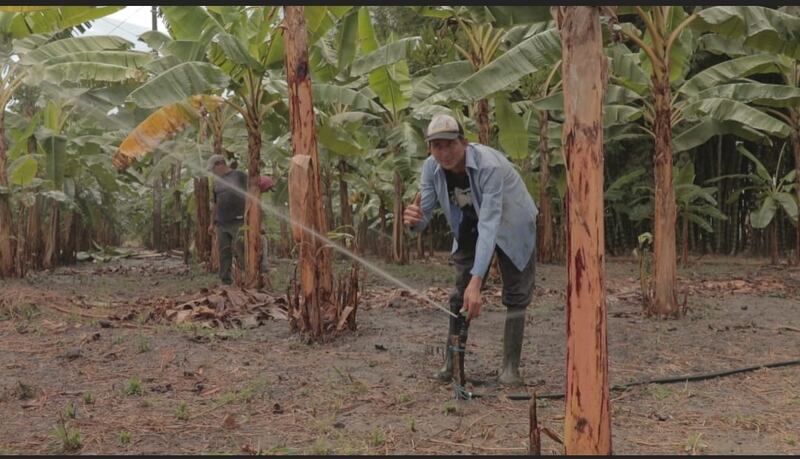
(217, 165)
(446, 142)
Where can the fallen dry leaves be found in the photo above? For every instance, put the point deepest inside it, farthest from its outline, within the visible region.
(223, 307)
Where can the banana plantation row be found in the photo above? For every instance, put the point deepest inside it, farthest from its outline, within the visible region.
(103, 144)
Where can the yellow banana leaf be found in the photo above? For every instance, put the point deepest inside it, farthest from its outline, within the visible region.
(159, 126)
(23, 9)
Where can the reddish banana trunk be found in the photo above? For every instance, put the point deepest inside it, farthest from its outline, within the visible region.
(482, 121)
(795, 139)
(587, 424)
(202, 236)
(773, 240)
(6, 223)
(51, 243)
(545, 246)
(665, 301)
(158, 236)
(176, 207)
(313, 311)
(344, 201)
(398, 235)
(252, 212)
(33, 258)
(685, 241)
(72, 227)
(382, 237)
(22, 242)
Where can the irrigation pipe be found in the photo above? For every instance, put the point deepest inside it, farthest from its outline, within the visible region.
(664, 380)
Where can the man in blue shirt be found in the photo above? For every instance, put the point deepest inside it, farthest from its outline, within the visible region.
(489, 210)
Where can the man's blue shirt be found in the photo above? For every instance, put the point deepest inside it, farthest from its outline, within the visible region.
(506, 212)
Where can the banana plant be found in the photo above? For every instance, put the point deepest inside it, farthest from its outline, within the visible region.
(773, 193)
(625, 203)
(42, 59)
(381, 72)
(738, 34)
(665, 48)
(696, 204)
(19, 22)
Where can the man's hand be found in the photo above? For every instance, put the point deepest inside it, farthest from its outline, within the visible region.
(210, 228)
(472, 298)
(413, 214)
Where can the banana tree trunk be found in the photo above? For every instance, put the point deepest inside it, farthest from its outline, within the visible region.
(381, 247)
(20, 262)
(33, 232)
(664, 302)
(344, 201)
(684, 240)
(158, 235)
(314, 302)
(482, 121)
(213, 254)
(328, 193)
(795, 139)
(282, 249)
(51, 242)
(361, 236)
(6, 228)
(587, 423)
(545, 221)
(175, 243)
(71, 227)
(773, 239)
(202, 236)
(398, 235)
(252, 209)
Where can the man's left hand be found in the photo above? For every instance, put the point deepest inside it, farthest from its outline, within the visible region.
(472, 298)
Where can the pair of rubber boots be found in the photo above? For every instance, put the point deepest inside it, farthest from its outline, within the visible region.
(512, 349)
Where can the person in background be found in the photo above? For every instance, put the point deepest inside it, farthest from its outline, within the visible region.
(227, 213)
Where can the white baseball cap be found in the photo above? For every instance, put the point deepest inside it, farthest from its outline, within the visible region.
(213, 160)
(444, 127)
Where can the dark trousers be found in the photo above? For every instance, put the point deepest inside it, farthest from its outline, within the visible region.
(518, 285)
(229, 240)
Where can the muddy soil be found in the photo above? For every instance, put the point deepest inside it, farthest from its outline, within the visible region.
(74, 381)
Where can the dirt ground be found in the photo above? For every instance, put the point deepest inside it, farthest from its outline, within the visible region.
(74, 379)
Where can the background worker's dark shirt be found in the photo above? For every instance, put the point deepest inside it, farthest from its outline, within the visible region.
(229, 196)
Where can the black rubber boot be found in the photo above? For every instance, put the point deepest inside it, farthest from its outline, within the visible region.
(512, 347)
(445, 374)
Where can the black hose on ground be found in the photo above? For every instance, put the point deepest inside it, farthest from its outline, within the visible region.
(665, 380)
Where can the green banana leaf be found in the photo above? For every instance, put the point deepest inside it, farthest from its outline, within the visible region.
(763, 216)
(768, 95)
(763, 28)
(178, 84)
(705, 129)
(331, 93)
(513, 136)
(732, 110)
(22, 171)
(728, 70)
(383, 56)
(539, 51)
(65, 46)
(348, 36)
(88, 71)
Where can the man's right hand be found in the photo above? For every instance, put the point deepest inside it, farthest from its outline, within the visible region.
(413, 214)
(210, 228)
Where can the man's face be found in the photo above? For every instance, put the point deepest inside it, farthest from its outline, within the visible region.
(219, 168)
(449, 154)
